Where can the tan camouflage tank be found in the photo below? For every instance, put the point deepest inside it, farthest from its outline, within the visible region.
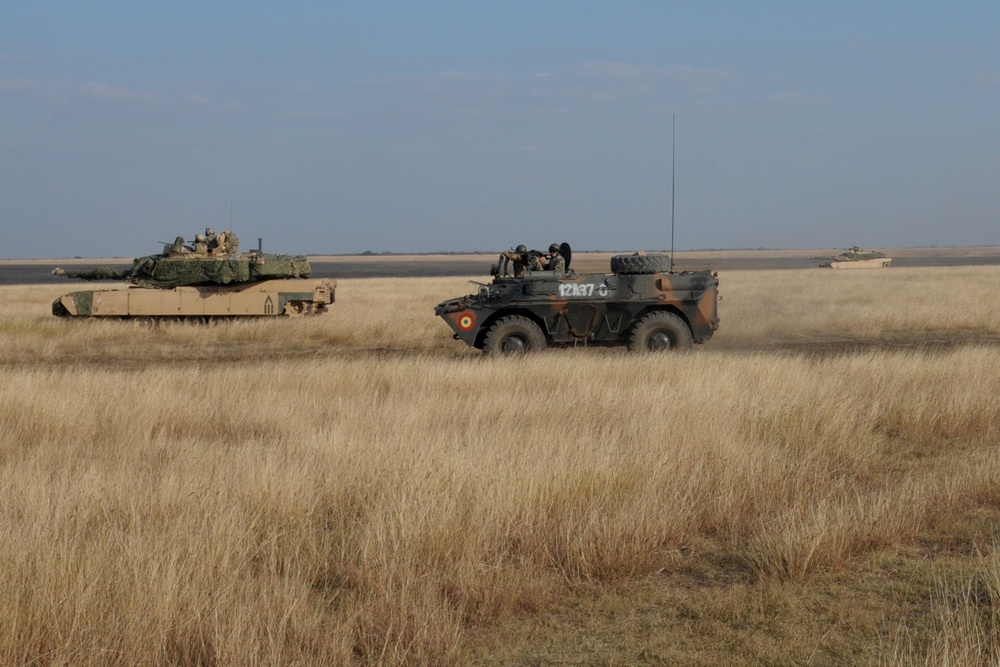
(859, 258)
(183, 284)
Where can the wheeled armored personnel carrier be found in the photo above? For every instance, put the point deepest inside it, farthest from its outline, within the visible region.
(642, 304)
(859, 258)
(188, 285)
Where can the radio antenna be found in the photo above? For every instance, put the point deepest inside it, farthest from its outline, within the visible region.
(673, 182)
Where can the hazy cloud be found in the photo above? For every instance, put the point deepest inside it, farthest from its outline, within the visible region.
(799, 99)
(105, 91)
(16, 85)
(68, 92)
(466, 93)
(624, 71)
(17, 58)
(195, 99)
(985, 79)
(282, 87)
(477, 93)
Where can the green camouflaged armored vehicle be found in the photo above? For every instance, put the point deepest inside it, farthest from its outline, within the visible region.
(641, 304)
(195, 283)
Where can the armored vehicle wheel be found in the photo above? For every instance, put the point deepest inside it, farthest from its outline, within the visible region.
(640, 264)
(296, 309)
(513, 334)
(660, 332)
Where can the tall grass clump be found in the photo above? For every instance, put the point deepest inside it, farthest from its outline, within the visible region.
(966, 612)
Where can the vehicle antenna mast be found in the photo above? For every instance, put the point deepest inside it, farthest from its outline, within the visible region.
(673, 182)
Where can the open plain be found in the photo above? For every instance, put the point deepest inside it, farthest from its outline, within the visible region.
(818, 484)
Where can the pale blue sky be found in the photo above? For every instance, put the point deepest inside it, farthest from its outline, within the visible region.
(329, 127)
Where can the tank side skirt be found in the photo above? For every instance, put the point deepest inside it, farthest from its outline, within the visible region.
(266, 298)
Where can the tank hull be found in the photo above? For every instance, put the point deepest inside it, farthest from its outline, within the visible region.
(878, 263)
(268, 298)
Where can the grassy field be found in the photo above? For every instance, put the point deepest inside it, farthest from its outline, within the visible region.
(818, 484)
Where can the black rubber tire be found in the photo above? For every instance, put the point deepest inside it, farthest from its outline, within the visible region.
(660, 331)
(514, 334)
(640, 264)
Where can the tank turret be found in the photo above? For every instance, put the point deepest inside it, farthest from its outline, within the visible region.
(174, 268)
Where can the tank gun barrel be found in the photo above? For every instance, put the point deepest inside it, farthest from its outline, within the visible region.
(99, 273)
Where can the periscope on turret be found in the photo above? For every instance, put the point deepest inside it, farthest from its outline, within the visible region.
(217, 282)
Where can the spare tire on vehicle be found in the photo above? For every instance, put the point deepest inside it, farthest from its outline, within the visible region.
(638, 264)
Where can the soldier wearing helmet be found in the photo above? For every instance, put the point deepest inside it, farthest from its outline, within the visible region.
(200, 244)
(211, 240)
(175, 248)
(556, 261)
(521, 259)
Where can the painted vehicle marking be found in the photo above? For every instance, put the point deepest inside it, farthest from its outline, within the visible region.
(466, 321)
(567, 290)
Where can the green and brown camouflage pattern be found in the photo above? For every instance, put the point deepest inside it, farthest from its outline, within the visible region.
(160, 271)
(857, 253)
(588, 309)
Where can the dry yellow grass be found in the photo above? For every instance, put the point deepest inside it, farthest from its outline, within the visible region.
(360, 488)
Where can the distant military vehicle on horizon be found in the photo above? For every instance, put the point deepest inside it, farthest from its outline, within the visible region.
(642, 304)
(201, 282)
(857, 257)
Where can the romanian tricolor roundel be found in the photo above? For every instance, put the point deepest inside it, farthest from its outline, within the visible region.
(466, 321)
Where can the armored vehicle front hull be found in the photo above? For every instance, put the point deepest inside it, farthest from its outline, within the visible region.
(268, 298)
(646, 312)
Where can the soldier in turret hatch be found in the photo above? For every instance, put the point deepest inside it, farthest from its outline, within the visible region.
(556, 261)
(519, 256)
(177, 247)
(200, 245)
(228, 243)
